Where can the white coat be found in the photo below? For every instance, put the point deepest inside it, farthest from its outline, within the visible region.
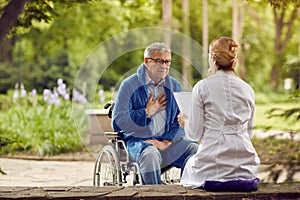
(221, 117)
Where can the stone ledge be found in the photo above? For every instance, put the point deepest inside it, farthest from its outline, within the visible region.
(266, 191)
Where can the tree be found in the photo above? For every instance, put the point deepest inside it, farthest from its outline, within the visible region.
(167, 18)
(10, 16)
(237, 32)
(284, 12)
(205, 39)
(186, 67)
(21, 13)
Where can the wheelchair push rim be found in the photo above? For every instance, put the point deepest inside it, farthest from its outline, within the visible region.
(107, 170)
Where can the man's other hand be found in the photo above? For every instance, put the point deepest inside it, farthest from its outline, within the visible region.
(160, 145)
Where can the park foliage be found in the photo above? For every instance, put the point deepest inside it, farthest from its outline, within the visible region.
(53, 38)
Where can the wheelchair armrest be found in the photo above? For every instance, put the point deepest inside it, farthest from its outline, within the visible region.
(113, 135)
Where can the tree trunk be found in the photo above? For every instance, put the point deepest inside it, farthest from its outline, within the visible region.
(281, 40)
(6, 51)
(9, 17)
(186, 67)
(167, 19)
(237, 33)
(298, 80)
(205, 39)
(235, 20)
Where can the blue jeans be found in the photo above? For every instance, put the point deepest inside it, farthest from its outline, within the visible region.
(151, 160)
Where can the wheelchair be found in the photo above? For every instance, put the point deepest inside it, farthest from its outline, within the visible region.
(113, 167)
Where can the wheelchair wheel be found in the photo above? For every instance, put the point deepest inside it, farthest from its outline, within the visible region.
(107, 170)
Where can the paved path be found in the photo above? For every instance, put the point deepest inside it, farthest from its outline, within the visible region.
(21, 172)
(276, 134)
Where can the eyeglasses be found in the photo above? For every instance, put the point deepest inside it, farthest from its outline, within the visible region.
(161, 62)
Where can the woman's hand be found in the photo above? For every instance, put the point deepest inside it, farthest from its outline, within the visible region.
(181, 118)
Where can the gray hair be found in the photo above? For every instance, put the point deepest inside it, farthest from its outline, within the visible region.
(156, 46)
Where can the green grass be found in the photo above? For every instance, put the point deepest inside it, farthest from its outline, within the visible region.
(268, 100)
(262, 120)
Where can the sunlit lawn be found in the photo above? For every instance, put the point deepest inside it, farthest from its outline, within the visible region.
(262, 122)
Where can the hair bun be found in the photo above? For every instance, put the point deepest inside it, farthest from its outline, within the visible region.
(225, 50)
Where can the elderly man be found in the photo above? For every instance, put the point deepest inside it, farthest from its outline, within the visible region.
(146, 111)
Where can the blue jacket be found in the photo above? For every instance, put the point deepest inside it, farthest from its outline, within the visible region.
(129, 113)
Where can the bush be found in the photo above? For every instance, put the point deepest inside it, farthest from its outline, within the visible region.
(5, 102)
(40, 130)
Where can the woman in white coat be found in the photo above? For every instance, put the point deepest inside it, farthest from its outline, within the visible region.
(221, 118)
